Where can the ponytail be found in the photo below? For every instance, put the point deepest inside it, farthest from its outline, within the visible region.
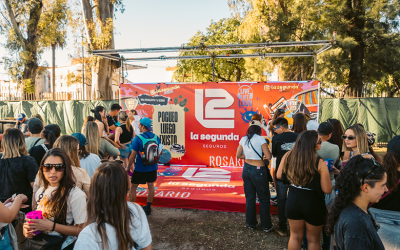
(51, 133)
(391, 163)
(97, 111)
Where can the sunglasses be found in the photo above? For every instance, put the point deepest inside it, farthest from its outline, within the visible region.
(281, 110)
(376, 165)
(344, 137)
(49, 167)
(276, 128)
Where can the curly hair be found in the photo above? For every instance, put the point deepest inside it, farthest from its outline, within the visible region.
(391, 162)
(348, 186)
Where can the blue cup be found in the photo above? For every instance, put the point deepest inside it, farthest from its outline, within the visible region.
(329, 163)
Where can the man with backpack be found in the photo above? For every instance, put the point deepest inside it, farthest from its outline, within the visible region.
(146, 149)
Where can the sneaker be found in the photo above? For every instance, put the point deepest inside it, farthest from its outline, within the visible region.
(147, 210)
(280, 232)
(268, 229)
(253, 228)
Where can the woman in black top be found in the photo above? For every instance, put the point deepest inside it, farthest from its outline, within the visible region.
(17, 169)
(387, 210)
(123, 136)
(309, 178)
(361, 182)
(50, 133)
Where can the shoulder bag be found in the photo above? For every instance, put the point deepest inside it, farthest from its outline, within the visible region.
(266, 162)
(44, 241)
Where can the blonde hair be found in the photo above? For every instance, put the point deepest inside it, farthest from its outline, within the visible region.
(361, 139)
(123, 116)
(13, 144)
(91, 132)
(69, 145)
(39, 117)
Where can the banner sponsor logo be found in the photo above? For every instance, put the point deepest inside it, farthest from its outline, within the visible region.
(207, 175)
(217, 108)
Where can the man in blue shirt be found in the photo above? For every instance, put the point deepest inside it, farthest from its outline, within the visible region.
(143, 174)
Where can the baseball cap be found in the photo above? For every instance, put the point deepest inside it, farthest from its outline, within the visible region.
(81, 138)
(394, 146)
(255, 123)
(147, 123)
(21, 116)
(35, 125)
(325, 128)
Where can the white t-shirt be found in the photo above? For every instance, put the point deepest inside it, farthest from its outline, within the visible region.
(90, 163)
(76, 208)
(140, 232)
(248, 151)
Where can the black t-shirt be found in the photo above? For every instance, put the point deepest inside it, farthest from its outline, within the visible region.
(281, 144)
(355, 230)
(38, 152)
(16, 176)
(391, 201)
(111, 120)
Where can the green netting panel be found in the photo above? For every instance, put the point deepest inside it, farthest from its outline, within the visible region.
(378, 115)
(69, 115)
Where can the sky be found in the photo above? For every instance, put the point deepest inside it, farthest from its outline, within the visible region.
(155, 23)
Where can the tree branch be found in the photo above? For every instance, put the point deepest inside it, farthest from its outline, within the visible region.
(14, 23)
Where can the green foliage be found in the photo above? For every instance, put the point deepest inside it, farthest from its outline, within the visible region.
(221, 32)
(368, 39)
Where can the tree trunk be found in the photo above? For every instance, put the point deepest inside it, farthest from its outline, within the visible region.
(355, 13)
(53, 71)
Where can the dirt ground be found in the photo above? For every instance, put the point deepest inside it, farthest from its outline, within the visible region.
(186, 229)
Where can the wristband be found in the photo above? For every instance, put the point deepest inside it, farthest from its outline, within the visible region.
(54, 226)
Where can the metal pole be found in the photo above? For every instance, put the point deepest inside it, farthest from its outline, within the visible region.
(83, 69)
(315, 64)
(123, 77)
(213, 66)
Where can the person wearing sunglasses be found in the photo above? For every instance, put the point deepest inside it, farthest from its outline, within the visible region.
(281, 144)
(355, 143)
(387, 211)
(63, 205)
(309, 181)
(361, 182)
(279, 113)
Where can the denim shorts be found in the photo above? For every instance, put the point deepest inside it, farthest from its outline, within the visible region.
(124, 153)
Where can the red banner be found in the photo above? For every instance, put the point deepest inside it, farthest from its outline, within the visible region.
(202, 123)
(219, 189)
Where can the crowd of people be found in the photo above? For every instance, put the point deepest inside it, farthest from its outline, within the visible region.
(77, 185)
(327, 181)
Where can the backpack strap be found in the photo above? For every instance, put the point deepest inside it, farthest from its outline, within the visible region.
(36, 142)
(44, 147)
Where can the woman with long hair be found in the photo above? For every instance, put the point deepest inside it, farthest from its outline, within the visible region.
(278, 113)
(336, 137)
(96, 144)
(17, 169)
(88, 161)
(371, 141)
(63, 205)
(255, 177)
(387, 211)
(70, 145)
(87, 119)
(100, 118)
(309, 178)
(113, 223)
(123, 136)
(299, 123)
(135, 119)
(50, 133)
(361, 182)
(355, 143)
(260, 119)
